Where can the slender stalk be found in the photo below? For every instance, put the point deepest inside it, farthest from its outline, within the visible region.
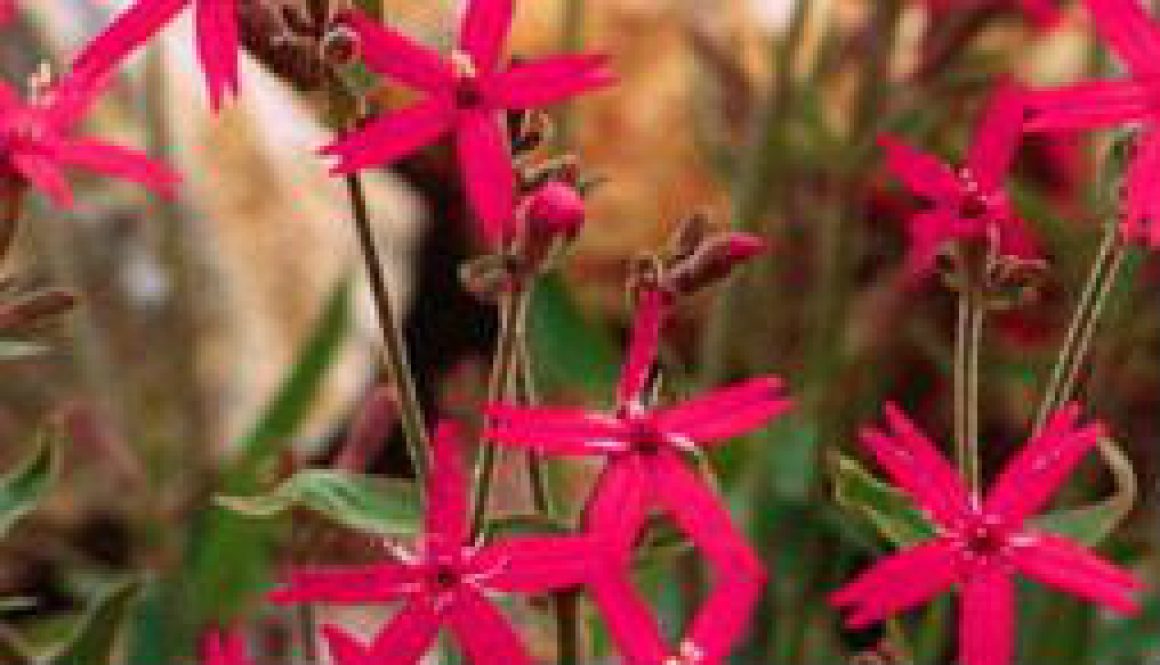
(308, 637)
(512, 308)
(398, 366)
(968, 341)
(1072, 354)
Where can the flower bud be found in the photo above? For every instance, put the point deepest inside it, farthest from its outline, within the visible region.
(712, 261)
(555, 210)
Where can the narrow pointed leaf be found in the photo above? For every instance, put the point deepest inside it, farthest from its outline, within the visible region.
(95, 638)
(889, 510)
(22, 489)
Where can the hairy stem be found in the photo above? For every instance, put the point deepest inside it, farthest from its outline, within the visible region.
(411, 414)
(1073, 353)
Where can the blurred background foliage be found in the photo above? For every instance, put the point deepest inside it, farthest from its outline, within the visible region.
(225, 340)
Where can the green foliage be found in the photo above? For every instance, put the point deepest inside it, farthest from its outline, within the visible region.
(889, 510)
(22, 489)
(1093, 523)
(570, 352)
(95, 638)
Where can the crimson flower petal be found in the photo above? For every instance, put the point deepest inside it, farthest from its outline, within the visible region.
(1087, 105)
(485, 28)
(1062, 564)
(997, 138)
(898, 583)
(723, 619)
(405, 639)
(395, 55)
(447, 489)
(217, 47)
(130, 30)
(487, 637)
(918, 467)
(544, 82)
(378, 583)
(927, 232)
(1043, 13)
(647, 326)
(619, 504)
(43, 175)
(727, 412)
(1141, 222)
(922, 174)
(555, 430)
(537, 565)
(628, 618)
(115, 161)
(987, 621)
(701, 516)
(224, 648)
(391, 136)
(346, 650)
(1130, 32)
(1032, 477)
(485, 161)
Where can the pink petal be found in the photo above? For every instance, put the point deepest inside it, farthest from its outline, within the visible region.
(486, 165)
(487, 637)
(535, 84)
(447, 489)
(1032, 477)
(1130, 32)
(70, 99)
(130, 30)
(1062, 564)
(723, 619)
(485, 27)
(224, 648)
(535, 565)
(217, 47)
(117, 162)
(43, 175)
(407, 637)
(898, 583)
(391, 136)
(1141, 214)
(358, 585)
(918, 467)
(987, 619)
(628, 619)
(928, 233)
(555, 430)
(922, 174)
(1043, 13)
(619, 504)
(702, 516)
(997, 137)
(648, 323)
(1088, 105)
(346, 650)
(727, 412)
(395, 55)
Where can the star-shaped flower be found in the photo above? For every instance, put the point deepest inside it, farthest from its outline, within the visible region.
(38, 142)
(448, 581)
(645, 469)
(970, 202)
(1135, 38)
(217, 39)
(465, 95)
(983, 543)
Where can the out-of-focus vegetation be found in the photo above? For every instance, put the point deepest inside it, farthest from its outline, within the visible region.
(224, 341)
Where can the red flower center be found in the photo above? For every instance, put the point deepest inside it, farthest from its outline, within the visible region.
(985, 538)
(444, 577)
(973, 206)
(468, 93)
(645, 438)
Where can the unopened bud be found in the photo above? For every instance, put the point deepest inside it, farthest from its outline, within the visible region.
(555, 210)
(369, 431)
(713, 261)
(340, 46)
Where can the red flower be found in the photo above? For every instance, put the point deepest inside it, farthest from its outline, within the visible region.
(1043, 14)
(447, 581)
(217, 39)
(464, 95)
(224, 648)
(969, 203)
(644, 450)
(983, 543)
(37, 141)
(1135, 38)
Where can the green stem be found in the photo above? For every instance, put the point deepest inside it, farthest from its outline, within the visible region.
(411, 414)
(310, 650)
(512, 308)
(968, 340)
(1072, 354)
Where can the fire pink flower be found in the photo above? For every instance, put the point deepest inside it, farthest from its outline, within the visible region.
(465, 95)
(224, 648)
(217, 40)
(968, 203)
(448, 580)
(645, 468)
(37, 141)
(1135, 38)
(983, 542)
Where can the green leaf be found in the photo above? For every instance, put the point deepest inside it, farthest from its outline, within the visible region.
(888, 509)
(368, 504)
(526, 525)
(22, 489)
(1093, 523)
(570, 352)
(95, 638)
